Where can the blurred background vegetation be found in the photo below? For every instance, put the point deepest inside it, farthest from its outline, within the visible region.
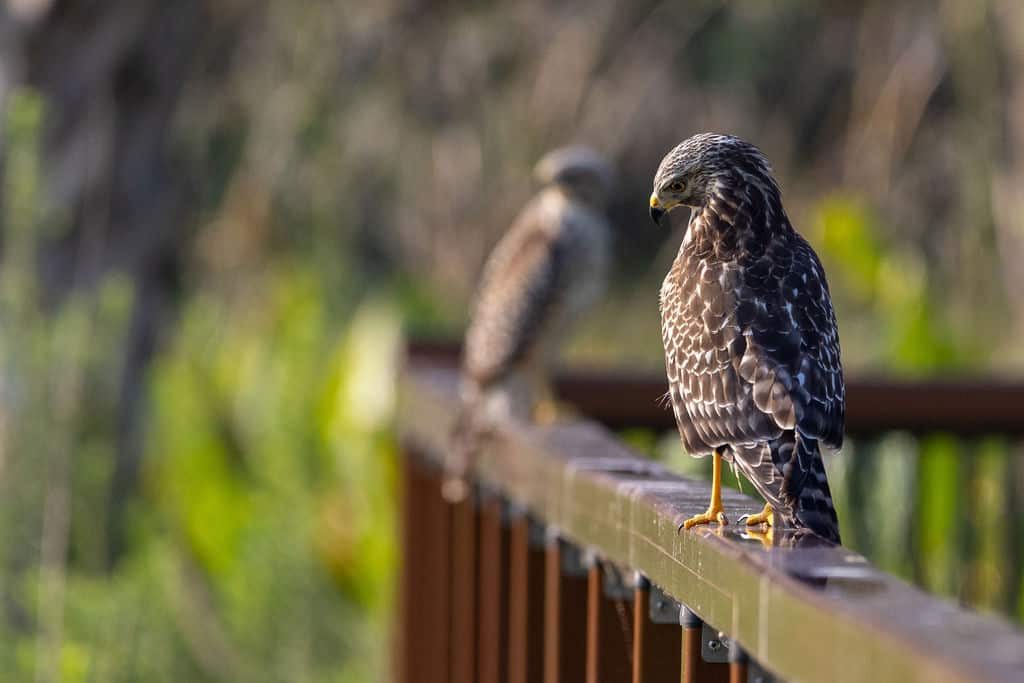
(217, 218)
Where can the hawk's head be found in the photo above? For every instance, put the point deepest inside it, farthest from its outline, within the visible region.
(689, 173)
(579, 170)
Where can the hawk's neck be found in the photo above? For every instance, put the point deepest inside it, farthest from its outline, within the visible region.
(740, 214)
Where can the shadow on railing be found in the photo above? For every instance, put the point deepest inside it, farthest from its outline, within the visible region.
(566, 566)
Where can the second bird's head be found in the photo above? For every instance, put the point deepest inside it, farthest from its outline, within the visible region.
(687, 175)
(580, 171)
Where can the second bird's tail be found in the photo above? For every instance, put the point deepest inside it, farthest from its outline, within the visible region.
(464, 443)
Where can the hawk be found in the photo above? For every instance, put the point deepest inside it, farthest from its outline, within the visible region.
(751, 346)
(547, 270)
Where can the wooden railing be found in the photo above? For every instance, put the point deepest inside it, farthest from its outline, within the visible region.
(566, 565)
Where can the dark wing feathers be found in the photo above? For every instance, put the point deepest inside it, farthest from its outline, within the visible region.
(519, 286)
(792, 354)
(748, 357)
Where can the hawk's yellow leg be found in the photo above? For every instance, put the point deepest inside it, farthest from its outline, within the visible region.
(763, 517)
(715, 512)
(547, 413)
(547, 410)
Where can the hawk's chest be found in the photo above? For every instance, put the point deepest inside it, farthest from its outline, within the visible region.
(698, 303)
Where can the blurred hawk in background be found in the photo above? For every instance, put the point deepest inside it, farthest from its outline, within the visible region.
(546, 271)
(751, 346)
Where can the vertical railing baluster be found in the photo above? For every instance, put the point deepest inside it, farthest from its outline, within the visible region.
(656, 637)
(492, 603)
(411, 513)
(609, 625)
(739, 664)
(436, 593)
(425, 582)
(565, 613)
(695, 668)
(526, 600)
(462, 646)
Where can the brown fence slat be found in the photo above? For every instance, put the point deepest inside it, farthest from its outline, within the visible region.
(695, 668)
(656, 646)
(609, 626)
(424, 584)
(411, 510)
(465, 526)
(565, 614)
(739, 666)
(492, 603)
(526, 601)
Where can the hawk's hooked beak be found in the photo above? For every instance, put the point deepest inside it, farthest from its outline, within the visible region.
(657, 210)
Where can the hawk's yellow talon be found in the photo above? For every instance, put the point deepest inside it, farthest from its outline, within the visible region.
(547, 409)
(712, 515)
(715, 511)
(765, 516)
(547, 412)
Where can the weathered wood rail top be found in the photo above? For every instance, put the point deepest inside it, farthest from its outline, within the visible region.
(801, 608)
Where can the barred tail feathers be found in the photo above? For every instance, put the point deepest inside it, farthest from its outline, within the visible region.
(812, 500)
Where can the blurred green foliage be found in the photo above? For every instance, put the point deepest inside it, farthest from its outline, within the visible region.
(892, 313)
(262, 544)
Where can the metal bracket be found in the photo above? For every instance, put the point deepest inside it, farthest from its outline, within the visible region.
(511, 512)
(664, 609)
(614, 583)
(484, 492)
(575, 561)
(537, 534)
(714, 645)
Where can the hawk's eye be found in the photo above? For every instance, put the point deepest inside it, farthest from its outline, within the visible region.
(676, 186)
